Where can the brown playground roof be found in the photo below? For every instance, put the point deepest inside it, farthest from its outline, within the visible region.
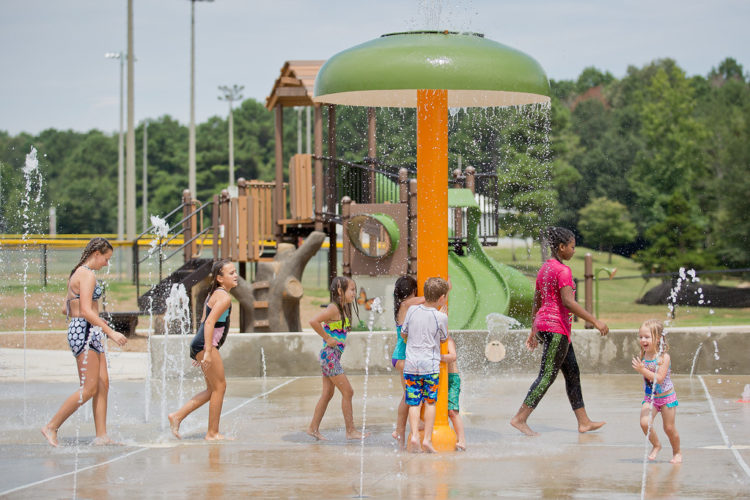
(295, 84)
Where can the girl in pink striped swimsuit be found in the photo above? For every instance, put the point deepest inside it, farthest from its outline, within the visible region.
(654, 366)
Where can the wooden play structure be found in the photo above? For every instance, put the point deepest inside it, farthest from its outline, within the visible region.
(262, 223)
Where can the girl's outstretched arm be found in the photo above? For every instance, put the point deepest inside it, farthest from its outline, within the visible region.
(569, 300)
(330, 313)
(223, 301)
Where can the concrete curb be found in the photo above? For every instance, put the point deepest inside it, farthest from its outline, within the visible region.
(703, 350)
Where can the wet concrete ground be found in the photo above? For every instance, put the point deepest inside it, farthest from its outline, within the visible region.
(272, 457)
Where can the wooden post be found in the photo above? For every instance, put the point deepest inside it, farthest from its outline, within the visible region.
(403, 185)
(278, 195)
(331, 195)
(372, 153)
(413, 243)
(215, 224)
(346, 261)
(319, 190)
(471, 179)
(588, 275)
(187, 227)
(458, 220)
(226, 222)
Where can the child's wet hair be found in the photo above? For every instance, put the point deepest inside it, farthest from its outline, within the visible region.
(216, 270)
(405, 286)
(338, 287)
(434, 288)
(656, 327)
(557, 236)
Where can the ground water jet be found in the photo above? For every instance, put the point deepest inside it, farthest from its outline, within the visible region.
(33, 182)
(177, 318)
(161, 232)
(375, 308)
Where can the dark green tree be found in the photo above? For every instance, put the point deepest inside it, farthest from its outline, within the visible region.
(605, 224)
(677, 241)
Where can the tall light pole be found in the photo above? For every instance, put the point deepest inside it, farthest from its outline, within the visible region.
(130, 146)
(231, 94)
(191, 134)
(120, 151)
(144, 200)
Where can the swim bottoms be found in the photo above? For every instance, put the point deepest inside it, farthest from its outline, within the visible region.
(669, 400)
(330, 361)
(81, 334)
(454, 389)
(421, 388)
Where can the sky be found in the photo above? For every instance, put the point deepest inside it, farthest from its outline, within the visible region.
(53, 73)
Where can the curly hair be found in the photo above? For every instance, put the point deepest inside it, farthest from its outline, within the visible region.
(557, 236)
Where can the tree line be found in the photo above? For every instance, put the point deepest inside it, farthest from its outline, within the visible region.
(651, 165)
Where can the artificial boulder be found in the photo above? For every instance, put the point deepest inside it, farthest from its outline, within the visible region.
(271, 302)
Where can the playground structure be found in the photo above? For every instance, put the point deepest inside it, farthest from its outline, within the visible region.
(376, 207)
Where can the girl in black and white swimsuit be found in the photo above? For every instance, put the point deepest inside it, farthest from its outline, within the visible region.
(85, 330)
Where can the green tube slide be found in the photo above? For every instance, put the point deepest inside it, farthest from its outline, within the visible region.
(481, 285)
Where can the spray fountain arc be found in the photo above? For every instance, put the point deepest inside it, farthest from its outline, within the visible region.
(432, 71)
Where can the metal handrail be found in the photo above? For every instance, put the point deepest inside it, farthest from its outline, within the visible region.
(150, 229)
(186, 243)
(162, 243)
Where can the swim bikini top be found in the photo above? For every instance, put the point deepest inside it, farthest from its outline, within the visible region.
(96, 295)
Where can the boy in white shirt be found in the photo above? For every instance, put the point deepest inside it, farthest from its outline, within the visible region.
(426, 328)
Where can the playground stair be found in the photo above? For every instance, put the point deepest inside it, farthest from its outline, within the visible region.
(261, 322)
(192, 272)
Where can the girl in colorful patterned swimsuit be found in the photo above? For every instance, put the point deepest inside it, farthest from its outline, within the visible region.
(333, 324)
(654, 365)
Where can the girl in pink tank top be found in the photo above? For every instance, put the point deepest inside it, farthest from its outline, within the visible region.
(552, 313)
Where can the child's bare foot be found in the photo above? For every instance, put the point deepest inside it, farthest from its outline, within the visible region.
(104, 441)
(676, 459)
(522, 426)
(413, 446)
(316, 434)
(218, 437)
(356, 435)
(654, 451)
(461, 446)
(174, 425)
(50, 435)
(590, 426)
(427, 446)
(398, 437)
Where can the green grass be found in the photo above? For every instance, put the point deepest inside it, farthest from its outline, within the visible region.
(52, 287)
(617, 297)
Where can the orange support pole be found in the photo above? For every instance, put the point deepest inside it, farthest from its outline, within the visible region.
(432, 224)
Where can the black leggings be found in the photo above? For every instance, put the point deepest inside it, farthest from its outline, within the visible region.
(557, 355)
